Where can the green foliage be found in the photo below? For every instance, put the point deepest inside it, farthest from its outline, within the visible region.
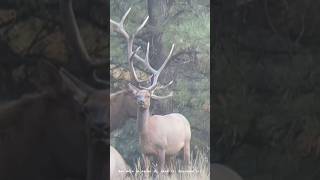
(126, 142)
(193, 94)
(190, 30)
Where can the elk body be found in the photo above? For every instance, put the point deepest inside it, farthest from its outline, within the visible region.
(122, 107)
(221, 172)
(117, 165)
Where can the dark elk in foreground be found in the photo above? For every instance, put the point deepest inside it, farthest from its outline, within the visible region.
(122, 103)
(221, 172)
(44, 136)
(118, 166)
(159, 136)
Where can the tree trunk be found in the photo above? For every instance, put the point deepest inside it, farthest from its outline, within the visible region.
(157, 10)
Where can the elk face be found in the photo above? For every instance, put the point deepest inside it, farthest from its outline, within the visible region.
(143, 96)
(143, 99)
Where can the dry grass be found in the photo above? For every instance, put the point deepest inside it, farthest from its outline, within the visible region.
(199, 169)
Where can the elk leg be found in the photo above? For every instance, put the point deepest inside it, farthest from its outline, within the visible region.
(145, 161)
(169, 164)
(168, 160)
(162, 159)
(186, 153)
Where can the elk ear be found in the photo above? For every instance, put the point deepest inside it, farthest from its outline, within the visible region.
(80, 90)
(134, 90)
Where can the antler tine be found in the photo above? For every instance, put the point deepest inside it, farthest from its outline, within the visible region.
(146, 61)
(161, 97)
(99, 80)
(119, 25)
(160, 86)
(167, 59)
(125, 16)
(120, 29)
(142, 25)
(164, 86)
(131, 67)
(73, 37)
(157, 73)
(130, 38)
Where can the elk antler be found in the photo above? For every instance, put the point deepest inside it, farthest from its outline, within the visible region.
(74, 40)
(155, 73)
(119, 27)
(72, 34)
(99, 80)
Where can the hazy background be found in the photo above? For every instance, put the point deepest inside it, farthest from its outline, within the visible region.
(266, 115)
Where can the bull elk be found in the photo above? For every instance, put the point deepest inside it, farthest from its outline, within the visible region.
(118, 166)
(221, 172)
(160, 136)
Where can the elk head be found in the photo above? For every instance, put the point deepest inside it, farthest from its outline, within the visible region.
(142, 94)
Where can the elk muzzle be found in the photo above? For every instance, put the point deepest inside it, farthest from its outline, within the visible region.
(140, 101)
